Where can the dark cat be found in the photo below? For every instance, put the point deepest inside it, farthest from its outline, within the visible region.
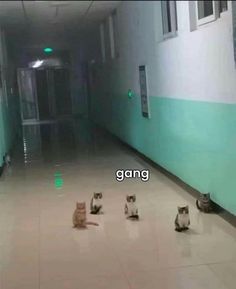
(204, 203)
(182, 220)
(96, 203)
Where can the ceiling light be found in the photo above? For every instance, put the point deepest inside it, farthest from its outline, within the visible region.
(37, 63)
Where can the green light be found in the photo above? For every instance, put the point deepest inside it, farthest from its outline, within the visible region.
(58, 181)
(57, 174)
(130, 93)
(48, 50)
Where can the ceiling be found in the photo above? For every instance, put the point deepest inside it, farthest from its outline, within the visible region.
(52, 22)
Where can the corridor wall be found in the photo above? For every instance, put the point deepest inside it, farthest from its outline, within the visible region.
(192, 90)
(9, 118)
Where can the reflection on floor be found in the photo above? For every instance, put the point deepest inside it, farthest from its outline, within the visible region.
(40, 249)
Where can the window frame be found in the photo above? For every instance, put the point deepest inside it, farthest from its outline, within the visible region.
(102, 39)
(223, 11)
(111, 36)
(173, 19)
(116, 32)
(206, 19)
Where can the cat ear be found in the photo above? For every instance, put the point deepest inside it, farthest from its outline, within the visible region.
(186, 207)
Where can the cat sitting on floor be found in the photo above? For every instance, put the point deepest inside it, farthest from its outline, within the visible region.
(96, 204)
(80, 217)
(204, 203)
(7, 160)
(131, 210)
(182, 220)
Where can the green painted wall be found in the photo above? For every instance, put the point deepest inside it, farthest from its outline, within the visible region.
(194, 140)
(9, 101)
(9, 125)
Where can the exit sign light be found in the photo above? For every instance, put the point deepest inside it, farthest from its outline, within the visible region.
(48, 50)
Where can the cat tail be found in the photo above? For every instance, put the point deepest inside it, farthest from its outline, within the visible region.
(92, 223)
(126, 209)
(177, 227)
(198, 205)
(91, 205)
(95, 210)
(134, 217)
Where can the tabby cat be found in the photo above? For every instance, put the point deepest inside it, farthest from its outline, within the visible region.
(204, 203)
(79, 216)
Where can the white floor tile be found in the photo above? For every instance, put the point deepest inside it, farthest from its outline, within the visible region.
(39, 249)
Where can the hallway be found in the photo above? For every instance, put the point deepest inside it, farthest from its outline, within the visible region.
(39, 249)
(87, 89)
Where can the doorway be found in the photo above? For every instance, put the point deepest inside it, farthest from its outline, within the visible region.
(44, 93)
(42, 86)
(28, 96)
(62, 91)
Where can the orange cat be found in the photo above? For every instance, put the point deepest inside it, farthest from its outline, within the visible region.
(79, 216)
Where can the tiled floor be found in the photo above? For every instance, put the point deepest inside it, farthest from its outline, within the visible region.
(40, 249)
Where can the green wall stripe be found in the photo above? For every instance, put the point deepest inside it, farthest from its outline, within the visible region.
(194, 140)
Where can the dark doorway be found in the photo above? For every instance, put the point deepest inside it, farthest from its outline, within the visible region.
(62, 91)
(42, 93)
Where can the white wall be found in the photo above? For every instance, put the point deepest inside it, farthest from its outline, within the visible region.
(196, 65)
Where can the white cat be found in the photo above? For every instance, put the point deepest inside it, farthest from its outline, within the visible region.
(96, 204)
(8, 160)
(131, 210)
(182, 220)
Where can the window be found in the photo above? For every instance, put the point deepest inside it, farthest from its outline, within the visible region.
(111, 34)
(169, 18)
(115, 31)
(205, 12)
(107, 39)
(223, 6)
(102, 37)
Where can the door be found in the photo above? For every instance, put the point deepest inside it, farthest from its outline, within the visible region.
(28, 95)
(42, 93)
(62, 91)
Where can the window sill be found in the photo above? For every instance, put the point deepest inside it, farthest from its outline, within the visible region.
(224, 14)
(206, 20)
(170, 35)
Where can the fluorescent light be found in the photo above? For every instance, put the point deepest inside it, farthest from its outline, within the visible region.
(37, 63)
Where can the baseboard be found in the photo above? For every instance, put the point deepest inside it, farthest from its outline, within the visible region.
(2, 167)
(226, 215)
